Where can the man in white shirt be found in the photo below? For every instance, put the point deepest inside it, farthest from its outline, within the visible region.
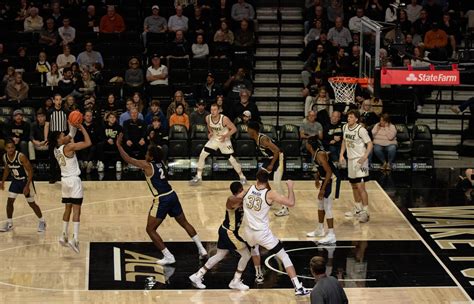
(413, 11)
(89, 57)
(178, 22)
(157, 74)
(339, 35)
(67, 32)
(355, 23)
(33, 23)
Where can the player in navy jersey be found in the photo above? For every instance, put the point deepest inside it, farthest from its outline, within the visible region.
(165, 200)
(18, 166)
(325, 171)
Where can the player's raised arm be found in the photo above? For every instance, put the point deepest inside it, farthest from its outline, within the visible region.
(142, 164)
(288, 201)
(79, 145)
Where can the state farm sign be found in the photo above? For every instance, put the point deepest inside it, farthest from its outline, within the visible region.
(410, 77)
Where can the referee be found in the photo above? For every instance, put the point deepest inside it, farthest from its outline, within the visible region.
(56, 120)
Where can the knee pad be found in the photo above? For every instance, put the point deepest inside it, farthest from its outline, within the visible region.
(328, 207)
(283, 256)
(255, 251)
(321, 205)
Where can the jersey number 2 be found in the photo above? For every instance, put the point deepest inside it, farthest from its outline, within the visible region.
(162, 173)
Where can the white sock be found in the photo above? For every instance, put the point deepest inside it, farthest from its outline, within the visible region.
(10, 221)
(76, 230)
(366, 208)
(65, 227)
(41, 219)
(166, 253)
(258, 270)
(331, 230)
(198, 243)
(237, 275)
(321, 225)
(201, 272)
(296, 283)
(358, 206)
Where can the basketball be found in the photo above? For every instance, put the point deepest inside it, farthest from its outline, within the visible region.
(75, 118)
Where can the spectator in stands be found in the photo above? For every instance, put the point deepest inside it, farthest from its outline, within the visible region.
(66, 32)
(66, 85)
(154, 23)
(19, 132)
(4, 58)
(179, 47)
(245, 105)
(22, 12)
(89, 102)
(200, 49)
(314, 32)
(158, 135)
(333, 136)
(320, 104)
(155, 110)
(463, 106)
(309, 128)
(244, 38)
(49, 36)
(376, 105)
(157, 74)
(130, 105)
(422, 25)
(21, 62)
(224, 34)
(66, 59)
(385, 140)
(391, 12)
(435, 42)
(17, 91)
(9, 75)
(178, 99)
(210, 90)
(434, 10)
(111, 105)
(89, 57)
(413, 11)
(88, 156)
(96, 73)
(90, 21)
(34, 22)
(419, 60)
(367, 116)
(355, 23)
(56, 14)
(48, 104)
(335, 9)
(244, 118)
(317, 13)
(178, 22)
(374, 10)
(198, 23)
(76, 71)
(404, 23)
(134, 135)
(70, 104)
(108, 139)
(179, 117)
(42, 66)
(339, 35)
(134, 77)
(138, 102)
(452, 30)
(220, 105)
(37, 143)
(85, 85)
(242, 10)
(238, 82)
(341, 63)
(199, 115)
(319, 62)
(111, 22)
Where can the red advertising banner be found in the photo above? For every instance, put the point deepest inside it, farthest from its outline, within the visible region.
(411, 77)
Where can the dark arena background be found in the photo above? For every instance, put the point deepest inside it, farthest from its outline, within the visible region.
(152, 69)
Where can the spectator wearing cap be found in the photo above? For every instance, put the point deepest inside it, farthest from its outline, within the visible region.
(34, 22)
(199, 115)
(178, 22)
(244, 118)
(210, 90)
(155, 110)
(89, 57)
(19, 132)
(435, 43)
(157, 134)
(157, 74)
(200, 49)
(244, 104)
(154, 23)
(17, 90)
(111, 22)
(37, 143)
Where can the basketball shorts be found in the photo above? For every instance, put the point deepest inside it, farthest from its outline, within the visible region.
(166, 204)
(72, 192)
(228, 240)
(328, 190)
(17, 186)
(264, 238)
(224, 146)
(278, 166)
(356, 172)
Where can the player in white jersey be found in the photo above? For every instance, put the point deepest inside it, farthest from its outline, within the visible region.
(257, 202)
(220, 130)
(71, 185)
(357, 143)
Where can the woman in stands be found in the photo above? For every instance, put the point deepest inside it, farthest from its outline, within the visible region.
(53, 76)
(385, 141)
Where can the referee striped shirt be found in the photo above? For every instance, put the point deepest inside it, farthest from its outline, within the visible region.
(57, 120)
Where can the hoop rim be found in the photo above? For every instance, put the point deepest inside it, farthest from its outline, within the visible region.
(342, 79)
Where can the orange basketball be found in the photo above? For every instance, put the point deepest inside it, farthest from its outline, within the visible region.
(75, 118)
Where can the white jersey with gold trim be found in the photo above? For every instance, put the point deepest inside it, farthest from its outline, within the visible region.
(218, 128)
(256, 208)
(69, 165)
(356, 139)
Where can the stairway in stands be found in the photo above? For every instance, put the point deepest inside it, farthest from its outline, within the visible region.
(266, 75)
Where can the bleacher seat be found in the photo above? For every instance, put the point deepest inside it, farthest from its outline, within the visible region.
(290, 140)
(422, 142)
(219, 64)
(198, 139)
(244, 145)
(178, 63)
(200, 63)
(6, 111)
(270, 131)
(403, 139)
(29, 112)
(178, 141)
(178, 77)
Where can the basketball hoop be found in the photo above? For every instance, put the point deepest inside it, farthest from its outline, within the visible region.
(344, 88)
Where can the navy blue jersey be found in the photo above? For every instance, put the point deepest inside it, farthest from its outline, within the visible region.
(233, 219)
(17, 170)
(158, 182)
(321, 171)
(265, 152)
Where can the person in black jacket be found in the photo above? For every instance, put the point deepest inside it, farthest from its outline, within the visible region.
(158, 135)
(66, 85)
(89, 155)
(134, 135)
(107, 143)
(245, 105)
(19, 132)
(210, 90)
(37, 143)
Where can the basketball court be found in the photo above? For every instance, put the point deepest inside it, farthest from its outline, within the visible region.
(383, 261)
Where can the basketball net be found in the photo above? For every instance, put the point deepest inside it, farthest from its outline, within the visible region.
(344, 88)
